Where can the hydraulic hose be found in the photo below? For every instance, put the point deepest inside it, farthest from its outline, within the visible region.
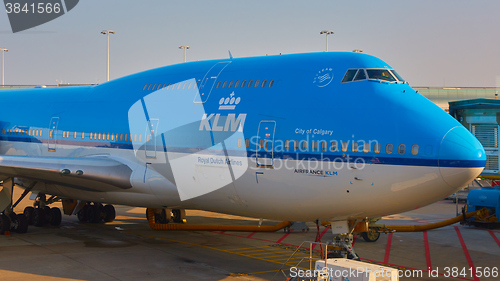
(201, 227)
(415, 228)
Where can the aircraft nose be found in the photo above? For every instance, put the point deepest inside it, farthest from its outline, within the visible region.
(461, 157)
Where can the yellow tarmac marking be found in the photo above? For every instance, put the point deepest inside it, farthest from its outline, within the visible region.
(272, 252)
(237, 249)
(255, 273)
(208, 247)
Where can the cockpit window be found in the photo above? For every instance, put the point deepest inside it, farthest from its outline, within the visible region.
(380, 74)
(360, 75)
(372, 74)
(349, 75)
(397, 76)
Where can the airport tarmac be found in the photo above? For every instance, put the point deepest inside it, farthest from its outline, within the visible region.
(127, 249)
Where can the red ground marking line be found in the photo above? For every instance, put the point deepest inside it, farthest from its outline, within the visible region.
(321, 236)
(307, 248)
(354, 239)
(427, 252)
(388, 248)
(466, 252)
(222, 232)
(494, 237)
(282, 238)
(250, 235)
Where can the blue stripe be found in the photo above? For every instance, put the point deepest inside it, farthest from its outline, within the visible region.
(362, 158)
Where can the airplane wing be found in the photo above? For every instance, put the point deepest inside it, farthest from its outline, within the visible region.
(97, 173)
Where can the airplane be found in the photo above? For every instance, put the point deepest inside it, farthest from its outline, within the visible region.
(331, 136)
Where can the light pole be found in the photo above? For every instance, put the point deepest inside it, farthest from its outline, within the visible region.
(326, 32)
(184, 47)
(3, 65)
(107, 32)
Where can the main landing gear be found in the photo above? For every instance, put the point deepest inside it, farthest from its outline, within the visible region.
(10, 221)
(96, 213)
(41, 214)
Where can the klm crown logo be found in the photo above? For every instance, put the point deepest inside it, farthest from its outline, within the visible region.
(25, 14)
(229, 103)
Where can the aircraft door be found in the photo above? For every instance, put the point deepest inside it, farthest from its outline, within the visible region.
(54, 121)
(207, 83)
(151, 138)
(265, 143)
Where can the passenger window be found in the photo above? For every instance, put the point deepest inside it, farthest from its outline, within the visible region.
(107, 138)
(366, 147)
(263, 83)
(250, 83)
(360, 75)
(190, 84)
(99, 136)
(296, 145)
(126, 137)
(333, 146)
(323, 145)
(83, 135)
(287, 144)
(135, 137)
(401, 149)
(121, 137)
(271, 83)
(224, 85)
(145, 86)
(243, 83)
(90, 135)
(150, 85)
(261, 143)
(179, 85)
(168, 87)
(237, 84)
(355, 147)
(414, 149)
(140, 137)
(218, 84)
(305, 145)
(257, 82)
(388, 148)
(230, 84)
(376, 147)
(315, 146)
(173, 86)
(184, 86)
(267, 144)
(344, 146)
(239, 142)
(247, 142)
(116, 137)
(349, 75)
(74, 136)
(112, 137)
(164, 85)
(154, 86)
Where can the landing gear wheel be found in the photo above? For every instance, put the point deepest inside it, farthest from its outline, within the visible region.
(46, 210)
(94, 213)
(22, 223)
(286, 229)
(4, 224)
(109, 213)
(28, 213)
(39, 217)
(55, 217)
(162, 217)
(370, 236)
(176, 215)
(82, 214)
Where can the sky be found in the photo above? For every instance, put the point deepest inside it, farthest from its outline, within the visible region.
(434, 43)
